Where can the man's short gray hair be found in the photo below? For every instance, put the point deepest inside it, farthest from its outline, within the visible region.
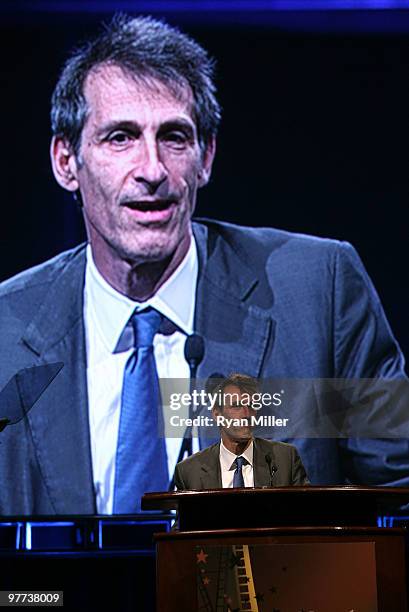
(145, 48)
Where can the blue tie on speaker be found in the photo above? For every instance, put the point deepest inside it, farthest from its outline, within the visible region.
(141, 462)
(238, 480)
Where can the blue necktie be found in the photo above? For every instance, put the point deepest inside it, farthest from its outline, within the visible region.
(141, 463)
(238, 480)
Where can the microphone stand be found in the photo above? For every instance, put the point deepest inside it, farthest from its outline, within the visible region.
(271, 468)
(194, 351)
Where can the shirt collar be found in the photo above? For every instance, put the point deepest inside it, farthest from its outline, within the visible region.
(111, 310)
(227, 457)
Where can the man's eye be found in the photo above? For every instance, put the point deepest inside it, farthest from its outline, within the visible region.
(178, 139)
(119, 138)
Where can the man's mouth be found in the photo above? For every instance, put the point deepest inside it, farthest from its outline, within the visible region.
(151, 211)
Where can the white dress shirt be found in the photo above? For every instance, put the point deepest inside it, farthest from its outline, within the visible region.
(109, 343)
(227, 468)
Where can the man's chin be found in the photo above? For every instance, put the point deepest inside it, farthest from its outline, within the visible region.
(241, 436)
(148, 254)
(156, 247)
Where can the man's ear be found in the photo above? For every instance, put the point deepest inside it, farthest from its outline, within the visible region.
(216, 412)
(64, 164)
(207, 162)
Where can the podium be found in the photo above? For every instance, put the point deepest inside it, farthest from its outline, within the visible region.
(292, 548)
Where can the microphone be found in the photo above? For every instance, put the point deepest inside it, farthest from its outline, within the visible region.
(194, 352)
(272, 468)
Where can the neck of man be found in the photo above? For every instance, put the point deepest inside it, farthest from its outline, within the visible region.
(139, 281)
(236, 446)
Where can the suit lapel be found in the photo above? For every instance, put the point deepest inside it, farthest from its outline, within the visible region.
(210, 473)
(59, 421)
(262, 477)
(236, 333)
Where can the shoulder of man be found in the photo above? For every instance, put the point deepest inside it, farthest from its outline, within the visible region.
(267, 445)
(38, 278)
(252, 244)
(23, 295)
(288, 261)
(201, 456)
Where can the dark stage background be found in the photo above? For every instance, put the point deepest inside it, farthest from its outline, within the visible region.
(314, 139)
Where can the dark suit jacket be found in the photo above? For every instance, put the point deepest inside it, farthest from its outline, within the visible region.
(269, 303)
(202, 470)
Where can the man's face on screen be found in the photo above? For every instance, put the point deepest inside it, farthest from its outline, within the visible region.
(139, 167)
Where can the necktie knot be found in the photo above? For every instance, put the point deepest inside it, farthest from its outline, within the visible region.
(145, 324)
(239, 462)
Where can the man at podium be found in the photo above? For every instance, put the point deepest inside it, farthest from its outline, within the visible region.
(240, 459)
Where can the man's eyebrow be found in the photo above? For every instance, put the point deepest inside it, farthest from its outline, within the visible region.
(117, 124)
(177, 124)
(126, 124)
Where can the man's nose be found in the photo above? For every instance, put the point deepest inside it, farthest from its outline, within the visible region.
(149, 168)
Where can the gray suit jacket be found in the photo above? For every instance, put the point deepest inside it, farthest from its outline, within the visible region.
(202, 470)
(268, 303)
